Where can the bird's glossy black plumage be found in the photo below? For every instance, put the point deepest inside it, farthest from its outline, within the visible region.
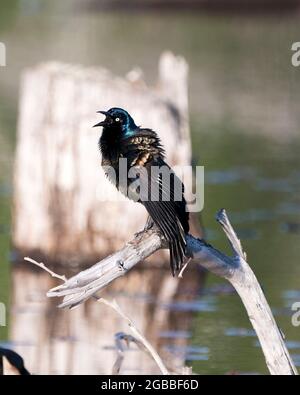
(164, 201)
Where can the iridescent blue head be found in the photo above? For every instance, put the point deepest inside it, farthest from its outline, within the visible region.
(118, 119)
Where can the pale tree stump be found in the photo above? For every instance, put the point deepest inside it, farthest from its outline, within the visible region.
(59, 185)
(58, 214)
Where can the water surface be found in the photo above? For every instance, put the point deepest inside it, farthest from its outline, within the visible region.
(244, 101)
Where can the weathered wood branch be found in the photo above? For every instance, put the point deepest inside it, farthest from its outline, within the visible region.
(235, 269)
(138, 338)
(247, 286)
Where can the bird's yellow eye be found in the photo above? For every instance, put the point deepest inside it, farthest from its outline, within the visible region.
(117, 119)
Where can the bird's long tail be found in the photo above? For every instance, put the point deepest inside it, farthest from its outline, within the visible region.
(172, 221)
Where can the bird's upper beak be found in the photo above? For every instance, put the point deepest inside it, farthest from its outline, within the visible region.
(106, 121)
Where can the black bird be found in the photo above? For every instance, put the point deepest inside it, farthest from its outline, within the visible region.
(164, 201)
(14, 359)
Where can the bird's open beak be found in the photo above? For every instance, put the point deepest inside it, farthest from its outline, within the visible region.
(106, 120)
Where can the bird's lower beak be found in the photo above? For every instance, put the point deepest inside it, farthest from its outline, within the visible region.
(106, 120)
(102, 123)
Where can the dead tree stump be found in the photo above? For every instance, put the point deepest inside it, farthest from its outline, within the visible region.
(58, 182)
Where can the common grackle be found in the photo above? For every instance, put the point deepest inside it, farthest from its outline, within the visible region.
(123, 142)
(15, 361)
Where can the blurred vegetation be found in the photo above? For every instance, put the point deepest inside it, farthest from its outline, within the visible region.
(244, 105)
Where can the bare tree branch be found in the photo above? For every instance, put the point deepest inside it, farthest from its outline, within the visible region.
(120, 339)
(86, 283)
(44, 267)
(235, 269)
(139, 339)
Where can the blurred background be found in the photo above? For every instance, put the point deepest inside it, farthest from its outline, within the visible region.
(244, 119)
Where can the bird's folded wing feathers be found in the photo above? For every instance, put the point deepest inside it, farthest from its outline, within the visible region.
(164, 211)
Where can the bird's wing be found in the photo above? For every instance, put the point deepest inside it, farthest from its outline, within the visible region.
(168, 215)
(143, 141)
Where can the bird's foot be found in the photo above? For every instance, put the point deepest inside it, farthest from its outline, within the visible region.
(149, 225)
